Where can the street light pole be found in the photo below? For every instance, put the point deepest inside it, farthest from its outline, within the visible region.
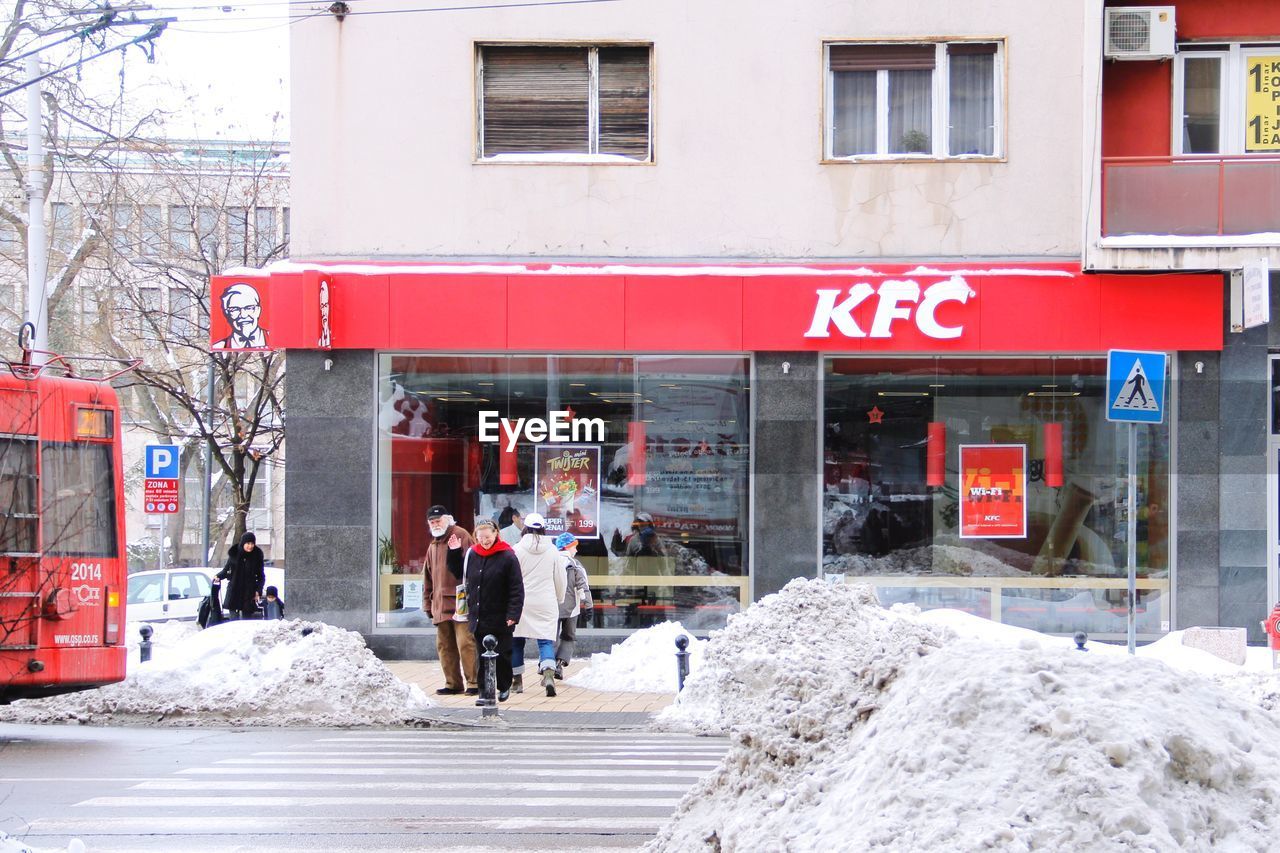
(37, 245)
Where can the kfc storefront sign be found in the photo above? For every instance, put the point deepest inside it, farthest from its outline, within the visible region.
(884, 308)
(893, 300)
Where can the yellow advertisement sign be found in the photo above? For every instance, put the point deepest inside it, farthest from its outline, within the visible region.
(1262, 103)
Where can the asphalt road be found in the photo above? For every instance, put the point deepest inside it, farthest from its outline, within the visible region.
(203, 790)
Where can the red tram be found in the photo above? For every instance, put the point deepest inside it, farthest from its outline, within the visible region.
(62, 536)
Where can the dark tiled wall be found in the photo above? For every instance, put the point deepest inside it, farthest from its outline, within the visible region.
(329, 503)
(785, 485)
(1222, 480)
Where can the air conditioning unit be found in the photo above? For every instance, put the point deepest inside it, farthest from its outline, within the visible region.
(1139, 32)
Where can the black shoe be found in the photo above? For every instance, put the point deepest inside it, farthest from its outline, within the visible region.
(473, 691)
(504, 695)
(479, 703)
(448, 691)
(560, 669)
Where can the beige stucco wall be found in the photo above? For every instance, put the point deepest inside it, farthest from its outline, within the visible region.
(384, 124)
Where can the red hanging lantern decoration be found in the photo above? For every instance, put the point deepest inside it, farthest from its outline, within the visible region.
(1053, 455)
(508, 475)
(936, 454)
(636, 453)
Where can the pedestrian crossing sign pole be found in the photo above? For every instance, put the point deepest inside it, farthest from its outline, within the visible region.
(1135, 395)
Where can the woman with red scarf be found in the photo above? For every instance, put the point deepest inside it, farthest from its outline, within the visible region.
(495, 594)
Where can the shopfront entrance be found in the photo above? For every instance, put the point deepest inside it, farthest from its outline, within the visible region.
(936, 431)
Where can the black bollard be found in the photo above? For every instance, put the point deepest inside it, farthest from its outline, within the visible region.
(489, 677)
(144, 648)
(682, 661)
(1081, 638)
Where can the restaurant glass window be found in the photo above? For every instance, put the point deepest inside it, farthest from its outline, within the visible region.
(997, 536)
(654, 478)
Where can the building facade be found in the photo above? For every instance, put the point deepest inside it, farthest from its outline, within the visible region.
(810, 300)
(134, 231)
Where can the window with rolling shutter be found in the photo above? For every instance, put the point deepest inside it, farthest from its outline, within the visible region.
(584, 103)
(936, 101)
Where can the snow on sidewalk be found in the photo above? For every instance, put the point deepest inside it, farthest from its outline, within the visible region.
(9, 844)
(644, 662)
(862, 728)
(257, 673)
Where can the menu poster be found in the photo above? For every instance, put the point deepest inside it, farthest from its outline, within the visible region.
(567, 493)
(697, 461)
(993, 491)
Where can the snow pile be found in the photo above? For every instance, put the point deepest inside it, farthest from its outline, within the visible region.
(165, 636)
(260, 673)
(645, 662)
(986, 746)
(811, 654)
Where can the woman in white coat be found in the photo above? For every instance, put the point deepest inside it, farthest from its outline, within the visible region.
(545, 579)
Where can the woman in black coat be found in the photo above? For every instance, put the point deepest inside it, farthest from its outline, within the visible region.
(495, 594)
(245, 577)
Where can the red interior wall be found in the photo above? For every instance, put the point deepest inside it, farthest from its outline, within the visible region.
(1137, 96)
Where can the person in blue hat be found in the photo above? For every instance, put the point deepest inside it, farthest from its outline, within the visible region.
(577, 599)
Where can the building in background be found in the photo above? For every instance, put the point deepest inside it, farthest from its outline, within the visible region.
(1183, 173)
(134, 234)
(804, 280)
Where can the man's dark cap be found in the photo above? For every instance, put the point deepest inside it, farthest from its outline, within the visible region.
(436, 511)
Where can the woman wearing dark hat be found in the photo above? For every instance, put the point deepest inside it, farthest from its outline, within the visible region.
(245, 577)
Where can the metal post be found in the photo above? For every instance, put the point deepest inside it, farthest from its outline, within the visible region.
(1081, 638)
(208, 471)
(489, 677)
(1133, 536)
(144, 648)
(682, 661)
(37, 244)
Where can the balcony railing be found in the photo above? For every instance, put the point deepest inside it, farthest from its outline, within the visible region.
(1192, 195)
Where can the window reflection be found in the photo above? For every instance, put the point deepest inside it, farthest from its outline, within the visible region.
(658, 495)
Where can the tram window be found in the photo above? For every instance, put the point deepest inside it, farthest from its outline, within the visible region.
(80, 500)
(17, 496)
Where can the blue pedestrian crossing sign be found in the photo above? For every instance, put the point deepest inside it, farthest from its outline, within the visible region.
(1135, 386)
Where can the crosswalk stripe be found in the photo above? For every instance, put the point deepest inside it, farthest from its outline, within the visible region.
(426, 800)
(443, 771)
(452, 761)
(208, 786)
(468, 751)
(194, 825)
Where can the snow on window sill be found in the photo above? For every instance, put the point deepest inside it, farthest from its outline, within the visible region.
(913, 158)
(1174, 241)
(564, 159)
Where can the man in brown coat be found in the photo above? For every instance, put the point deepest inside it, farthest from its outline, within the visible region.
(454, 643)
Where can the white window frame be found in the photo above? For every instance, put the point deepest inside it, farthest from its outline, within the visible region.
(941, 118)
(593, 155)
(1231, 126)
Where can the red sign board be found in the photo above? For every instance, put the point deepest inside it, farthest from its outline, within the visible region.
(1048, 307)
(160, 497)
(993, 491)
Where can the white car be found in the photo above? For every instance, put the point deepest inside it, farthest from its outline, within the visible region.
(161, 595)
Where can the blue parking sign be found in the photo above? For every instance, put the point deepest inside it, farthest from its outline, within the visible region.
(1135, 386)
(161, 462)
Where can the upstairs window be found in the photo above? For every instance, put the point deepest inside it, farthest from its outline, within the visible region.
(936, 100)
(564, 104)
(1227, 95)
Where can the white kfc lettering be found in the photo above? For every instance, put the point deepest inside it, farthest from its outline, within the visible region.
(895, 300)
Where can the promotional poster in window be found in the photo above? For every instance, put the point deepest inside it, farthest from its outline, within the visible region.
(568, 488)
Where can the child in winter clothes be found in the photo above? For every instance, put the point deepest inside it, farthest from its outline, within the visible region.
(577, 599)
(273, 607)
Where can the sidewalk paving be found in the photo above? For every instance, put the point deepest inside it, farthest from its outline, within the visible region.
(572, 707)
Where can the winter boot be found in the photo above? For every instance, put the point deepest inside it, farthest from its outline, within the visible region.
(549, 680)
(517, 684)
(560, 665)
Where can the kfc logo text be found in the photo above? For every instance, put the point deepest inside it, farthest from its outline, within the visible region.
(895, 300)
